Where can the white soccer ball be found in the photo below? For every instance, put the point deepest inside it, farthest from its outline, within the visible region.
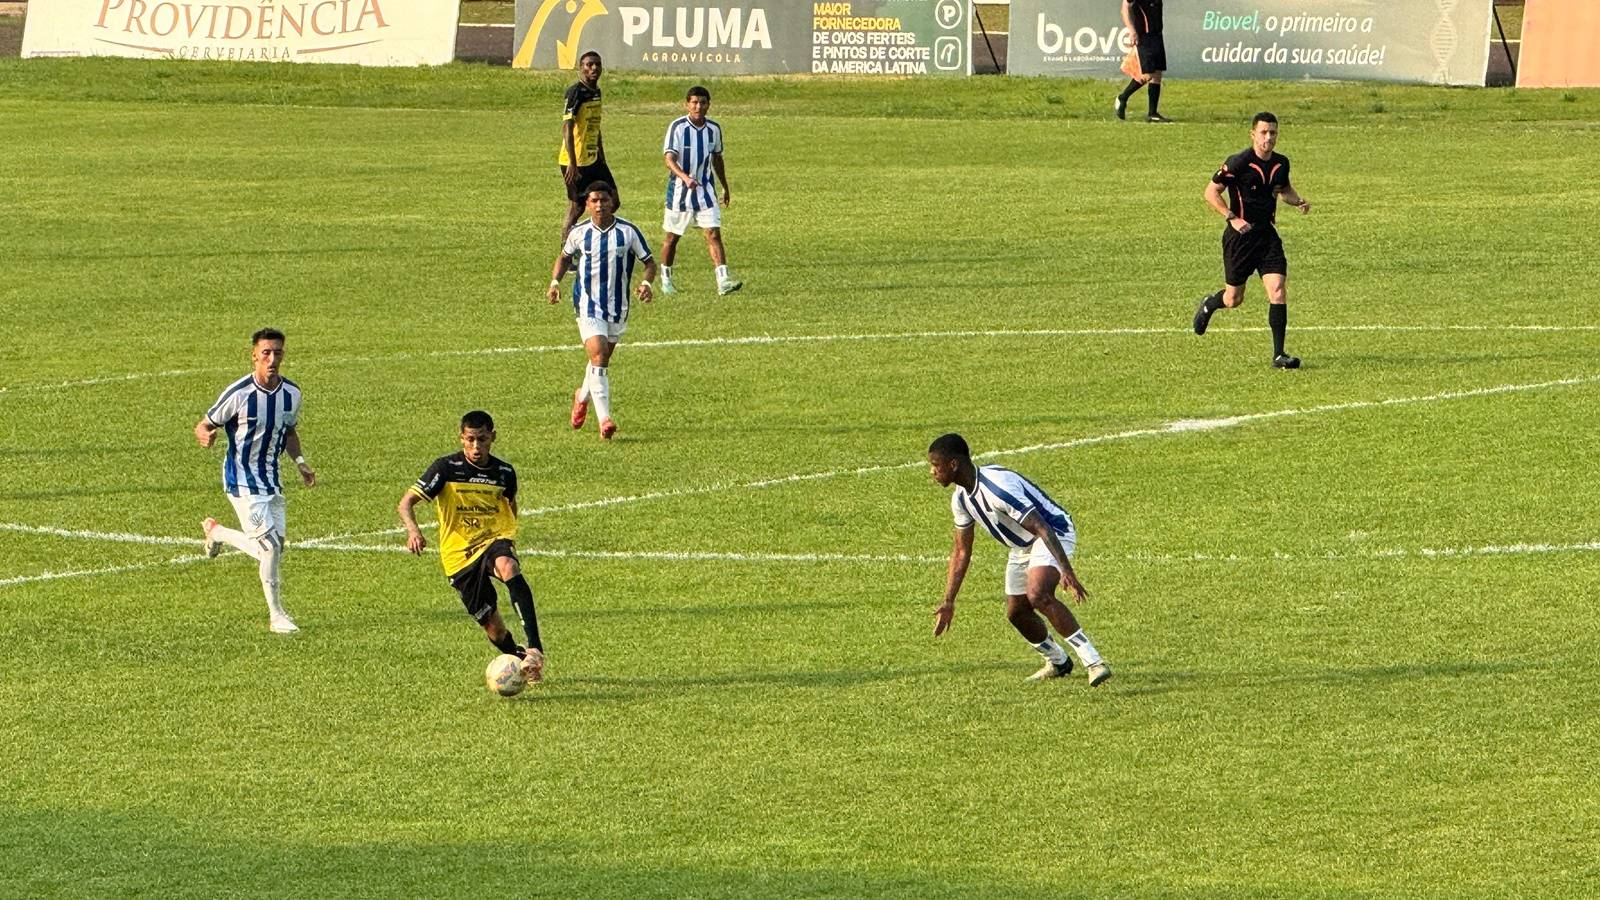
(504, 675)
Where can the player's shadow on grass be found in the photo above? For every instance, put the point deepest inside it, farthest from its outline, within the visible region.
(577, 689)
(1132, 681)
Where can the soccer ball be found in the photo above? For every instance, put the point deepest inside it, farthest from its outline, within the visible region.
(504, 675)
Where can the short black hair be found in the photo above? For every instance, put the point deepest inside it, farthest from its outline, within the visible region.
(698, 91)
(265, 334)
(603, 187)
(589, 53)
(477, 419)
(950, 446)
(1263, 117)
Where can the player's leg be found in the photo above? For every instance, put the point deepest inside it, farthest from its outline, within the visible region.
(1120, 105)
(1155, 98)
(509, 571)
(218, 534)
(712, 225)
(673, 226)
(1043, 579)
(1237, 266)
(598, 379)
(1021, 615)
(1277, 288)
(274, 543)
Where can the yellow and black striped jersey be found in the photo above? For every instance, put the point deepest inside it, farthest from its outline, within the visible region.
(583, 111)
(476, 506)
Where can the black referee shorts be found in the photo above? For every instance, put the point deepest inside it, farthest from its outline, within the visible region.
(1257, 250)
(475, 583)
(1152, 54)
(578, 190)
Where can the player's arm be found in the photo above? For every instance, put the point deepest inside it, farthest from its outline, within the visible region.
(563, 263)
(960, 558)
(677, 170)
(291, 446)
(1217, 199)
(415, 542)
(1042, 530)
(1289, 195)
(722, 178)
(1127, 21)
(570, 171)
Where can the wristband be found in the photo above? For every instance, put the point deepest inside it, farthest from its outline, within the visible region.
(555, 282)
(299, 460)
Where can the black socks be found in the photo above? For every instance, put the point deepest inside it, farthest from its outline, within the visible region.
(522, 602)
(1278, 321)
(1155, 97)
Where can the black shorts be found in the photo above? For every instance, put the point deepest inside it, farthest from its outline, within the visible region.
(578, 190)
(1152, 54)
(475, 583)
(1258, 250)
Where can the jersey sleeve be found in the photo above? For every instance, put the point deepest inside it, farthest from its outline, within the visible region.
(429, 485)
(570, 247)
(636, 243)
(716, 139)
(958, 510)
(226, 407)
(511, 486)
(668, 145)
(574, 100)
(1282, 181)
(1228, 173)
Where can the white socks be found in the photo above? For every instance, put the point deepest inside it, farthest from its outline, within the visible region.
(1051, 651)
(597, 384)
(271, 556)
(722, 274)
(236, 540)
(1079, 642)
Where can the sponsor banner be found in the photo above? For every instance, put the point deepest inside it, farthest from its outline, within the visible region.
(1560, 44)
(847, 37)
(1431, 41)
(367, 32)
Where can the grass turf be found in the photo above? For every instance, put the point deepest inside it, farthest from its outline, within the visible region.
(1308, 701)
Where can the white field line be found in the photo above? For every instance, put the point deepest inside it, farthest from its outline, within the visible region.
(764, 340)
(1179, 426)
(1520, 549)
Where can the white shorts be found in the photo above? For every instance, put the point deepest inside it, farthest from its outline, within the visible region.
(589, 327)
(678, 222)
(1031, 557)
(259, 515)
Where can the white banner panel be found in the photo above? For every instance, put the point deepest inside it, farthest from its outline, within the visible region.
(366, 32)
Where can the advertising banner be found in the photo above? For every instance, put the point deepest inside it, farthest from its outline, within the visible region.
(848, 37)
(366, 32)
(1560, 44)
(1430, 41)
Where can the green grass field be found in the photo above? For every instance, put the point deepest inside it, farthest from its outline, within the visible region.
(1350, 608)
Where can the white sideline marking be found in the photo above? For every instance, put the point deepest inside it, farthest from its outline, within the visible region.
(1178, 426)
(759, 340)
(1521, 549)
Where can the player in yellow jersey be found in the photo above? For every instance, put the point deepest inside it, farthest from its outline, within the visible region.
(475, 496)
(583, 150)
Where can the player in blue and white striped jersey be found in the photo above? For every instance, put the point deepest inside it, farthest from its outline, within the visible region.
(693, 154)
(259, 413)
(603, 252)
(1041, 537)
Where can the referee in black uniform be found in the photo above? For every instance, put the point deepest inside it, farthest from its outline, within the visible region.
(1143, 19)
(1253, 181)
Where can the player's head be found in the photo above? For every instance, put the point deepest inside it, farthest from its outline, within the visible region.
(477, 435)
(589, 66)
(266, 351)
(697, 102)
(1264, 132)
(947, 456)
(600, 200)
